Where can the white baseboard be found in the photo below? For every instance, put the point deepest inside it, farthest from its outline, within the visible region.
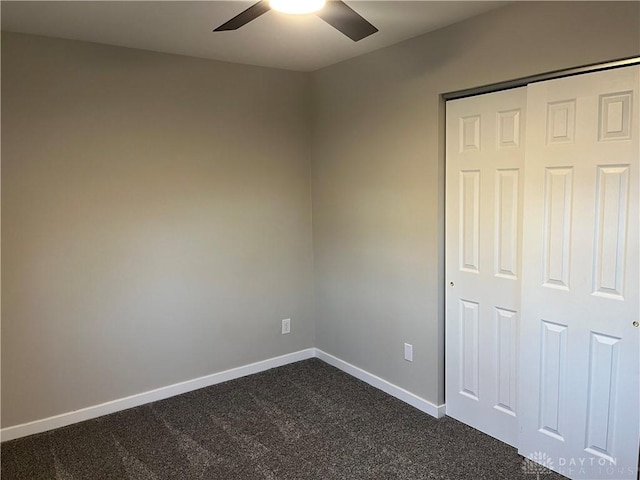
(62, 420)
(400, 393)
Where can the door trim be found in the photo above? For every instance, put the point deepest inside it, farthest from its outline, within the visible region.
(524, 81)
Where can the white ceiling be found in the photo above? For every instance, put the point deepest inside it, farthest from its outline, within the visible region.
(304, 43)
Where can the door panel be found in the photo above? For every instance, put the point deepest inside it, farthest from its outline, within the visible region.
(579, 375)
(485, 156)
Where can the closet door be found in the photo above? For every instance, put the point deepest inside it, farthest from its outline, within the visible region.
(580, 365)
(485, 155)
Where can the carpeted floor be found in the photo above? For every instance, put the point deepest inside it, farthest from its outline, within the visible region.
(303, 421)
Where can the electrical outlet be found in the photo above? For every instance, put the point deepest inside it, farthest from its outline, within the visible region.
(408, 352)
(286, 326)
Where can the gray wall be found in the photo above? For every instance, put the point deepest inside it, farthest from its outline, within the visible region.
(156, 222)
(378, 169)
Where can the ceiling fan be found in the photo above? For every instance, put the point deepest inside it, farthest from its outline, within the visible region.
(335, 12)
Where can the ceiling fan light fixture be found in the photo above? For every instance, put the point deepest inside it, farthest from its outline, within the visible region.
(297, 7)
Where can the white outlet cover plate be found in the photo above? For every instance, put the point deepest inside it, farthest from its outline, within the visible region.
(286, 326)
(408, 352)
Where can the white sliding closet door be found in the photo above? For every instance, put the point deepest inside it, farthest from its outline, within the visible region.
(485, 156)
(542, 271)
(579, 375)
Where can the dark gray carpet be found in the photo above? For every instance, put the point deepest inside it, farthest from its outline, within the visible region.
(303, 421)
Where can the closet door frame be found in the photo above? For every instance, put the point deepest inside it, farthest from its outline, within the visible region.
(524, 81)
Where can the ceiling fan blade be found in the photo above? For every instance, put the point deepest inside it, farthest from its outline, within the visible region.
(343, 18)
(251, 13)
